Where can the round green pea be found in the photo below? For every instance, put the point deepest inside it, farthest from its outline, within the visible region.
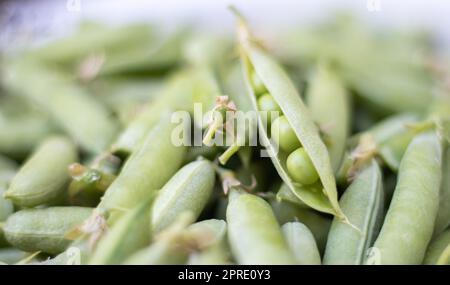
(266, 103)
(284, 135)
(301, 168)
(258, 85)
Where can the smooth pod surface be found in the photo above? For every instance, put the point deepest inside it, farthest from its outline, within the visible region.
(254, 234)
(302, 243)
(44, 229)
(409, 223)
(329, 104)
(363, 204)
(443, 215)
(438, 251)
(45, 175)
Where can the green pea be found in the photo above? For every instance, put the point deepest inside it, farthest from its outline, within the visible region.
(254, 234)
(43, 229)
(302, 243)
(438, 251)
(131, 233)
(188, 190)
(301, 168)
(284, 135)
(267, 104)
(409, 222)
(257, 83)
(43, 178)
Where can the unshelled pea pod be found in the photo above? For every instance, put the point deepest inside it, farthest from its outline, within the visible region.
(317, 223)
(438, 251)
(44, 176)
(145, 171)
(302, 243)
(443, 215)
(129, 234)
(254, 234)
(392, 136)
(321, 195)
(43, 229)
(363, 204)
(69, 105)
(22, 133)
(188, 190)
(408, 226)
(328, 102)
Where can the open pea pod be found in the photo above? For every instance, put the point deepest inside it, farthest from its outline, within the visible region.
(321, 196)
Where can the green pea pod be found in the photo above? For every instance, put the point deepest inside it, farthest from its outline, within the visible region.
(145, 171)
(159, 253)
(392, 136)
(363, 204)
(77, 253)
(43, 229)
(443, 215)
(129, 234)
(74, 110)
(409, 222)
(321, 196)
(44, 176)
(286, 195)
(254, 234)
(191, 85)
(317, 223)
(328, 102)
(302, 243)
(438, 251)
(91, 38)
(23, 133)
(11, 255)
(208, 152)
(188, 190)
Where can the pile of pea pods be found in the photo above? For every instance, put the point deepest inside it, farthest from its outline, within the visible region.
(359, 173)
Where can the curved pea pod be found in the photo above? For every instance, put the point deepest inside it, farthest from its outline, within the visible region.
(438, 251)
(43, 229)
(443, 215)
(329, 104)
(317, 223)
(188, 190)
(302, 243)
(409, 222)
(392, 136)
(254, 234)
(44, 176)
(69, 105)
(145, 171)
(363, 204)
(129, 234)
(321, 196)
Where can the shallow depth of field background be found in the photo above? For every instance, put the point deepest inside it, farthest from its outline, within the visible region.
(28, 21)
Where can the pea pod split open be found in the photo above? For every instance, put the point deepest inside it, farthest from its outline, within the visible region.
(322, 195)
